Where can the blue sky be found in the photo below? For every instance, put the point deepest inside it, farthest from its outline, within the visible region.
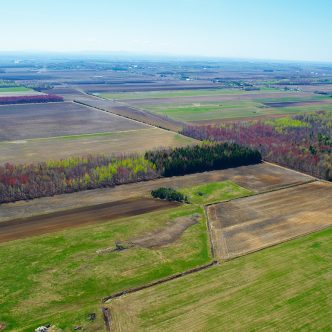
(263, 29)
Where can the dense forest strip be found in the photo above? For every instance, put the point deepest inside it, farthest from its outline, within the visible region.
(23, 181)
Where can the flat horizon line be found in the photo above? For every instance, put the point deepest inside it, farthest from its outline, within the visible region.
(155, 55)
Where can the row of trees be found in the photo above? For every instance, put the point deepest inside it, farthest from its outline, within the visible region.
(302, 142)
(21, 182)
(201, 158)
(47, 98)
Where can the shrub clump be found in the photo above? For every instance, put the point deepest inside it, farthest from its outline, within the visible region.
(169, 194)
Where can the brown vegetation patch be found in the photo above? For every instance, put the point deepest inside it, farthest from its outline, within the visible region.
(158, 238)
(169, 234)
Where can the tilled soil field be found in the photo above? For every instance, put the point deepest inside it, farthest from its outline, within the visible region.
(43, 224)
(249, 224)
(57, 119)
(130, 141)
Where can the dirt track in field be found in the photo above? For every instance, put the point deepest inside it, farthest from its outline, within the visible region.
(43, 224)
(249, 224)
(257, 178)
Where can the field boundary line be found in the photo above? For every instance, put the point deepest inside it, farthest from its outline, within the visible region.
(106, 299)
(109, 112)
(208, 228)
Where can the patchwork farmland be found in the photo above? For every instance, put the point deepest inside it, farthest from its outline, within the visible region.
(74, 257)
(210, 106)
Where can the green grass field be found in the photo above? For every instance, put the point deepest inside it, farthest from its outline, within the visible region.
(60, 279)
(209, 111)
(284, 288)
(235, 109)
(14, 89)
(214, 192)
(181, 93)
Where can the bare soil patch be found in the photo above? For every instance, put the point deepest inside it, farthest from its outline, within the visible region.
(49, 223)
(57, 119)
(249, 224)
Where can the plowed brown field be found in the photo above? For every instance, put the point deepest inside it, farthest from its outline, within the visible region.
(252, 223)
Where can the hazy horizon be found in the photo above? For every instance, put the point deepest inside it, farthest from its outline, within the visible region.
(241, 30)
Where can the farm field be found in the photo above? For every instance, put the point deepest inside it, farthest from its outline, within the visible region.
(252, 223)
(61, 278)
(231, 109)
(57, 119)
(255, 178)
(286, 287)
(116, 142)
(179, 93)
(218, 104)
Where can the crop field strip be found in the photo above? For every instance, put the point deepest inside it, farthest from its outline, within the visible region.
(249, 224)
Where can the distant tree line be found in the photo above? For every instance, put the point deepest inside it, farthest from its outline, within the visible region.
(201, 158)
(47, 98)
(168, 194)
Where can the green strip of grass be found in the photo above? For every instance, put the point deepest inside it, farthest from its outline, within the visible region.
(15, 89)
